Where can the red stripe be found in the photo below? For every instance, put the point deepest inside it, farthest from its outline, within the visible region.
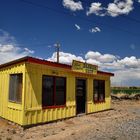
(53, 64)
(58, 106)
(45, 62)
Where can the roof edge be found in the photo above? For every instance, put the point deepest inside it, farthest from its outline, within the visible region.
(45, 62)
(105, 73)
(16, 61)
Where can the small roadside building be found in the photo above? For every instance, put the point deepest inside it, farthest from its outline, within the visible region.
(36, 91)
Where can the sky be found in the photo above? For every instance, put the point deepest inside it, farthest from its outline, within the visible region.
(104, 33)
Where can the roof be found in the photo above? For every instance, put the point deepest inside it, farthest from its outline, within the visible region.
(45, 62)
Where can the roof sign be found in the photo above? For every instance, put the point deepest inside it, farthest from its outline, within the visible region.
(84, 67)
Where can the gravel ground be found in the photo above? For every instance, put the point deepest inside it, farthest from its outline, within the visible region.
(121, 123)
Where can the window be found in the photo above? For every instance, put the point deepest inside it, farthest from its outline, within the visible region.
(47, 97)
(53, 91)
(60, 90)
(15, 88)
(99, 91)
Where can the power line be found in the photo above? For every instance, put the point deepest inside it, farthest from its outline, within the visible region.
(123, 16)
(80, 17)
(37, 44)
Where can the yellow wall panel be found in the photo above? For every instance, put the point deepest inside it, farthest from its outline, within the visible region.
(95, 107)
(33, 95)
(30, 111)
(9, 110)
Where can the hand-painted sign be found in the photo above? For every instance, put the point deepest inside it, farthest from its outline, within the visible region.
(84, 67)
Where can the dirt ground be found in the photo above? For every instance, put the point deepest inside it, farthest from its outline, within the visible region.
(121, 123)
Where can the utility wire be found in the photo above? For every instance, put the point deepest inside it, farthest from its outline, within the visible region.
(80, 17)
(122, 15)
(26, 45)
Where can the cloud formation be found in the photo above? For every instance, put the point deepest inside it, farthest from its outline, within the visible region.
(95, 30)
(77, 26)
(9, 49)
(118, 7)
(126, 70)
(65, 58)
(100, 58)
(72, 5)
(126, 77)
(95, 8)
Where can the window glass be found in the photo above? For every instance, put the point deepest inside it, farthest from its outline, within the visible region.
(15, 88)
(60, 91)
(99, 90)
(53, 91)
(47, 91)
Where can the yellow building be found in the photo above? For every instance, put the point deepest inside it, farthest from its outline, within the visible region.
(36, 91)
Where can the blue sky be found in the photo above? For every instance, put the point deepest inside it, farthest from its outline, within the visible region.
(104, 33)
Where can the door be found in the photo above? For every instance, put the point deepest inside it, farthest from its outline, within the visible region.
(80, 95)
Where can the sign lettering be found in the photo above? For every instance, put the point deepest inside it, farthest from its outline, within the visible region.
(84, 67)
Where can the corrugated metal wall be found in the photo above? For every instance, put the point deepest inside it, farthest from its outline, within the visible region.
(33, 94)
(30, 111)
(9, 110)
(95, 107)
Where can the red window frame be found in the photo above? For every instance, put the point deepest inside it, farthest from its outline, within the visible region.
(54, 93)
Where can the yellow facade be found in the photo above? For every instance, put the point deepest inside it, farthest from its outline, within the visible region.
(30, 110)
(9, 110)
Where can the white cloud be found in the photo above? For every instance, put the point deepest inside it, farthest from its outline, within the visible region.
(28, 51)
(6, 38)
(6, 48)
(95, 8)
(94, 30)
(126, 77)
(119, 7)
(122, 64)
(77, 26)
(10, 52)
(9, 49)
(127, 69)
(65, 58)
(129, 62)
(72, 5)
(92, 55)
(139, 1)
(100, 58)
(93, 61)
